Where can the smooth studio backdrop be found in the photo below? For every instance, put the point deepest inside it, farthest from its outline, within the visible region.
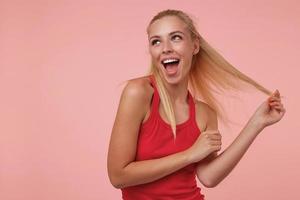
(62, 64)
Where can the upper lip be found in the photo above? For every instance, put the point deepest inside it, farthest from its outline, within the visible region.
(173, 57)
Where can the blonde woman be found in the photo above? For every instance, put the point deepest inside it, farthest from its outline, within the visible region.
(164, 136)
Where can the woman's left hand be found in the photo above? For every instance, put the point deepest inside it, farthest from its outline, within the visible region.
(270, 111)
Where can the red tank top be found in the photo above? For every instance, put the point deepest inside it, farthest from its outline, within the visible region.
(155, 141)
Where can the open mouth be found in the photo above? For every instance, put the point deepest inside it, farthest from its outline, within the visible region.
(171, 65)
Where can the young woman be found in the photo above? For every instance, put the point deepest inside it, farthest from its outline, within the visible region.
(163, 135)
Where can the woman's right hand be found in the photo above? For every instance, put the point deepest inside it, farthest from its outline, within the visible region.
(208, 142)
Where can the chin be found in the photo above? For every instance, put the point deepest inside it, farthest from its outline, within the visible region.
(172, 79)
(175, 79)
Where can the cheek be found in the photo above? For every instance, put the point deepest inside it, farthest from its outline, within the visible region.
(184, 49)
(188, 57)
(187, 54)
(154, 53)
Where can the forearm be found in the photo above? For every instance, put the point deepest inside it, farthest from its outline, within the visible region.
(140, 172)
(216, 170)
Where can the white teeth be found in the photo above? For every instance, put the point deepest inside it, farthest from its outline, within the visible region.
(169, 60)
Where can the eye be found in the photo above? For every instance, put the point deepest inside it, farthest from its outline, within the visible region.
(154, 42)
(177, 37)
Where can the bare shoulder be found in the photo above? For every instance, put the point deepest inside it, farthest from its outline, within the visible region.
(204, 106)
(138, 92)
(139, 84)
(131, 111)
(205, 115)
(139, 89)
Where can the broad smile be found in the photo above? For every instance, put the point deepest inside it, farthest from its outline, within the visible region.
(171, 65)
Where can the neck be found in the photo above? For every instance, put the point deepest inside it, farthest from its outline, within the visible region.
(178, 92)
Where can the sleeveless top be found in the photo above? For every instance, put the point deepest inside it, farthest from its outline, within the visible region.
(156, 140)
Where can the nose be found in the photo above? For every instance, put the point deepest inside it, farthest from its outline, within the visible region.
(167, 47)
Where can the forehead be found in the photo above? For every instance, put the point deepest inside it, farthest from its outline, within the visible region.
(166, 25)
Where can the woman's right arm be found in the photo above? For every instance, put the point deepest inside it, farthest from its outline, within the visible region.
(123, 170)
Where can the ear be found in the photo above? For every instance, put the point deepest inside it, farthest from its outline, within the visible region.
(196, 46)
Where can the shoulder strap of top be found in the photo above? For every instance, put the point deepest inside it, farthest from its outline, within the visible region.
(193, 113)
(155, 97)
(192, 106)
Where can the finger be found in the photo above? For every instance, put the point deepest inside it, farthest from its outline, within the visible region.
(215, 143)
(283, 110)
(274, 99)
(278, 107)
(276, 93)
(211, 132)
(214, 137)
(275, 106)
(217, 147)
(274, 103)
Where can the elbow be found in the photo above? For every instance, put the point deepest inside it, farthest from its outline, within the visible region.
(117, 185)
(118, 176)
(114, 175)
(116, 181)
(210, 184)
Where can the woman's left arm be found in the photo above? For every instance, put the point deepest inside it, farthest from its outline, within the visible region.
(213, 170)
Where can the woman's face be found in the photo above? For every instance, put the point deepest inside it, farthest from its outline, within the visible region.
(171, 48)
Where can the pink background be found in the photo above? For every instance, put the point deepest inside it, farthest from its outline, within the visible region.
(61, 66)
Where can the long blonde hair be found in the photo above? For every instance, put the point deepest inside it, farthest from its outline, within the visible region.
(209, 72)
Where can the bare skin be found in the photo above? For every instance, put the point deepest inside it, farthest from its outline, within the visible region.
(134, 108)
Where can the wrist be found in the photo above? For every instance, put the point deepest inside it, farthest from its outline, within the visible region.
(188, 157)
(256, 125)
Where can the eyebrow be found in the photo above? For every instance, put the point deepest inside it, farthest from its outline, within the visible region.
(156, 36)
